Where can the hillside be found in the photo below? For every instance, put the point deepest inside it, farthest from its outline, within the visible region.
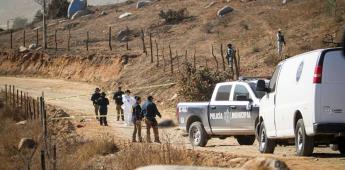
(251, 27)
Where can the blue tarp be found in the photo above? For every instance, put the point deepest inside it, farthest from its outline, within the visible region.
(76, 5)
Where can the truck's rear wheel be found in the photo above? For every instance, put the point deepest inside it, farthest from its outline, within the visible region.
(197, 134)
(265, 145)
(304, 143)
(245, 140)
(341, 146)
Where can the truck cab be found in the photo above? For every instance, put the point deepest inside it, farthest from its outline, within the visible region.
(232, 111)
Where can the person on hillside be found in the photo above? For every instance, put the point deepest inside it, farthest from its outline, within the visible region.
(137, 117)
(280, 42)
(118, 102)
(150, 112)
(103, 103)
(230, 54)
(95, 96)
(128, 102)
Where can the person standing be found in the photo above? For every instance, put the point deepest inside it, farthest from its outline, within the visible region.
(128, 102)
(103, 103)
(230, 54)
(280, 42)
(137, 118)
(118, 102)
(150, 112)
(95, 96)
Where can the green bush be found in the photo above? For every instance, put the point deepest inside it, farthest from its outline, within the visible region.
(198, 84)
(174, 16)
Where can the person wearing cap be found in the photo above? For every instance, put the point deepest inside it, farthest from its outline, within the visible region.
(118, 102)
(280, 42)
(137, 117)
(230, 53)
(150, 112)
(95, 96)
(103, 103)
(128, 102)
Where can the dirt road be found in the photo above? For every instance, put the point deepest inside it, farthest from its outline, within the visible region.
(74, 97)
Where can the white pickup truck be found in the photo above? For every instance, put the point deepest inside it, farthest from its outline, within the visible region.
(304, 103)
(232, 111)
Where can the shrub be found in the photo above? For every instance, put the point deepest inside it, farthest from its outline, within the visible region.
(174, 16)
(19, 22)
(198, 85)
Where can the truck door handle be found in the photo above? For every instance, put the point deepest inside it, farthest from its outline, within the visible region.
(233, 107)
(213, 107)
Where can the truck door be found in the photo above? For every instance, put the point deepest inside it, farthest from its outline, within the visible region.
(242, 116)
(219, 107)
(270, 105)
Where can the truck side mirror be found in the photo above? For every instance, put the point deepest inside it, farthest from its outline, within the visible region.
(261, 86)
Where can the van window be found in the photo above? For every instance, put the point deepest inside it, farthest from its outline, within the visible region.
(333, 67)
(223, 93)
(241, 93)
(273, 81)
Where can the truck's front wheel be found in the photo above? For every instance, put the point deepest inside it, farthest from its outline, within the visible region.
(245, 140)
(197, 134)
(266, 145)
(304, 143)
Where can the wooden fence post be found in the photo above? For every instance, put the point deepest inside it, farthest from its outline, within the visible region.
(24, 38)
(127, 38)
(38, 107)
(163, 55)
(17, 103)
(6, 95)
(143, 41)
(222, 55)
(54, 158)
(69, 39)
(55, 40)
(239, 62)
(9, 95)
(151, 47)
(178, 61)
(37, 36)
(11, 39)
(186, 56)
(236, 68)
(194, 59)
(14, 97)
(215, 58)
(87, 41)
(206, 61)
(157, 53)
(21, 100)
(109, 34)
(34, 108)
(43, 163)
(171, 61)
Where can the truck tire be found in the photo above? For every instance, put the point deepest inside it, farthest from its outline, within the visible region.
(245, 140)
(197, 134)
(341, 146)
(265, 145)
(304, 143)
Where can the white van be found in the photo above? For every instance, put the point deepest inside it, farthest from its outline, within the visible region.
(304, 103)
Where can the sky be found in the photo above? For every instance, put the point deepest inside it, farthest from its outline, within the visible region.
(10, 9)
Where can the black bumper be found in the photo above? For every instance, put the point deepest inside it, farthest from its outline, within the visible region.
(329, 128)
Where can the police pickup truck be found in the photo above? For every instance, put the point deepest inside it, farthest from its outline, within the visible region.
(232, 111)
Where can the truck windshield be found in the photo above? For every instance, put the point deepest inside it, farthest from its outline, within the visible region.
(258, 94)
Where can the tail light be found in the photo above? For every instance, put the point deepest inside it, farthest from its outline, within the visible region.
(317, 75)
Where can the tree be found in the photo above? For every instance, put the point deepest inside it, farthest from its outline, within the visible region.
(38, 16)
(19, 22)
(57, 9)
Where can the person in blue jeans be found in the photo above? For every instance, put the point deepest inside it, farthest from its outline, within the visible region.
(103, 103)
(150, 112)
(137, 118)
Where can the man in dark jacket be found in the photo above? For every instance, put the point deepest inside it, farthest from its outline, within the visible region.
(230, 52)
(118, 102)
(103, 103)
(95, 96)
(150, 112)
(137, 118)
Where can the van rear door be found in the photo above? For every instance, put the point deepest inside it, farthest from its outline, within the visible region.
(332, 88)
